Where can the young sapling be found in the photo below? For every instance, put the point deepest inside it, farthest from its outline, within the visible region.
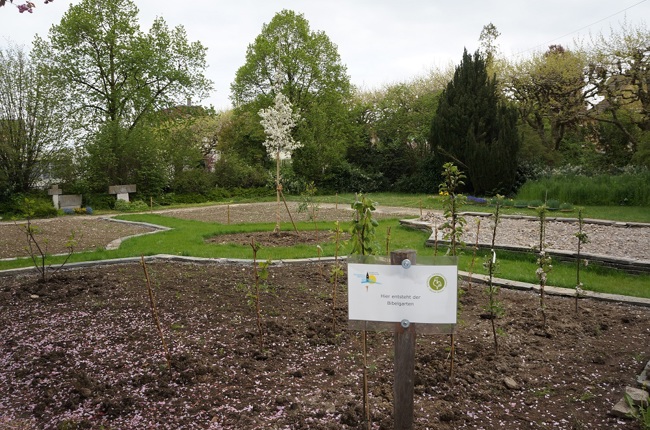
(582, 238)
(363, 236)
(154, 314)
(336, 272)
(454, 224)
(544, 261)
(36, 249)
(494, 306)
(260, 273)
(471, 266)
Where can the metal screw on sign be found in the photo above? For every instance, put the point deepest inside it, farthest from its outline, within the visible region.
(405, 323)
(406, 263)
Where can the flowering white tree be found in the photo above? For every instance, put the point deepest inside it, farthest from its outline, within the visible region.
(278, 121)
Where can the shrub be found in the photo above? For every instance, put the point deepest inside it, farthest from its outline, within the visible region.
(345, 177)
(566, 207)
(553, 204)
(629, 188)
(134, 206)
(190, 198)
(195, 181)
(476, 200)
(99, 200)
(232, 172)
(41, 208)
(14, 204)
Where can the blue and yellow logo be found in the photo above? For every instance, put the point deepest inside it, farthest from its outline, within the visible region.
(370, 279)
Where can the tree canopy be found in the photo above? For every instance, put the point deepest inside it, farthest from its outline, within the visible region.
(314, 80)
(475, 128)
(114, 74)
(550, 92)
(619, 70)
(31, 120)
(306, 61)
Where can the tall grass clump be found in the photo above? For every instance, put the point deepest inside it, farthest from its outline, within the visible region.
(628, 189)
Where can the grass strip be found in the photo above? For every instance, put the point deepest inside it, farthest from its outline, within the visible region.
(188, 238)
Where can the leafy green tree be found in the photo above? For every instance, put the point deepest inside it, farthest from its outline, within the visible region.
(114, 74)
(476, 129)
(30, 121)
(550, 93)
(116, 155)
(314, 80)
(395, 142)
(619, 70)
(489, 47)
(186, 137)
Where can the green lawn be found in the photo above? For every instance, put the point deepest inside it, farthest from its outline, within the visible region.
(427, 201)
(187, 238)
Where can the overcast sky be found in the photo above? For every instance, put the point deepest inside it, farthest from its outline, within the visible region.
(380, 41)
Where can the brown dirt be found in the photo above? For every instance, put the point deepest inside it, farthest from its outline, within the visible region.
(271, 240)
(82, 352)
(90, 233)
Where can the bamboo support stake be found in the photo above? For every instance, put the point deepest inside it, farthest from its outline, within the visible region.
(288, 211)
(154, 312)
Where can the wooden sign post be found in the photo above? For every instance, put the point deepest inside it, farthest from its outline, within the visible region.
(404, 359)
(396, 294)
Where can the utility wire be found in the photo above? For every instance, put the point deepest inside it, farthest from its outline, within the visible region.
(578, 30)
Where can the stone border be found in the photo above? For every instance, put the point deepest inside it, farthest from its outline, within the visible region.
(115, 244)
(628, 265)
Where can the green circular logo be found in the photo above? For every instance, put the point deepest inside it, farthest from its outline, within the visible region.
(437, 283)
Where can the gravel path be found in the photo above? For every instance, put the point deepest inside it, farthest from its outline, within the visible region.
(620, 241)
(95, 232)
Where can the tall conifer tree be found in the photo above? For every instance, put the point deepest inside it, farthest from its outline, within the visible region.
(475, 128)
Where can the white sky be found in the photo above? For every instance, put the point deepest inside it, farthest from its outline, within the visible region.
(380, 41)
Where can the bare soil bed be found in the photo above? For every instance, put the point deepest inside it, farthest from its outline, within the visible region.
(82, 352)
(90, 233)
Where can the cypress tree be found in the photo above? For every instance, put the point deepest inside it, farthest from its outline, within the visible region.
(476, 129)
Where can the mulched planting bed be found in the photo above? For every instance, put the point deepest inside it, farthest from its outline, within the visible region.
(282, 238)
(82, 352)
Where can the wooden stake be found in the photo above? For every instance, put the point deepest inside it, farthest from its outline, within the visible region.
(288, 211)
(366, 402)
(404, 360)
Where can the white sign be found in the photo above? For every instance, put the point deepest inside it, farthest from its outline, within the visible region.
(392, 293)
